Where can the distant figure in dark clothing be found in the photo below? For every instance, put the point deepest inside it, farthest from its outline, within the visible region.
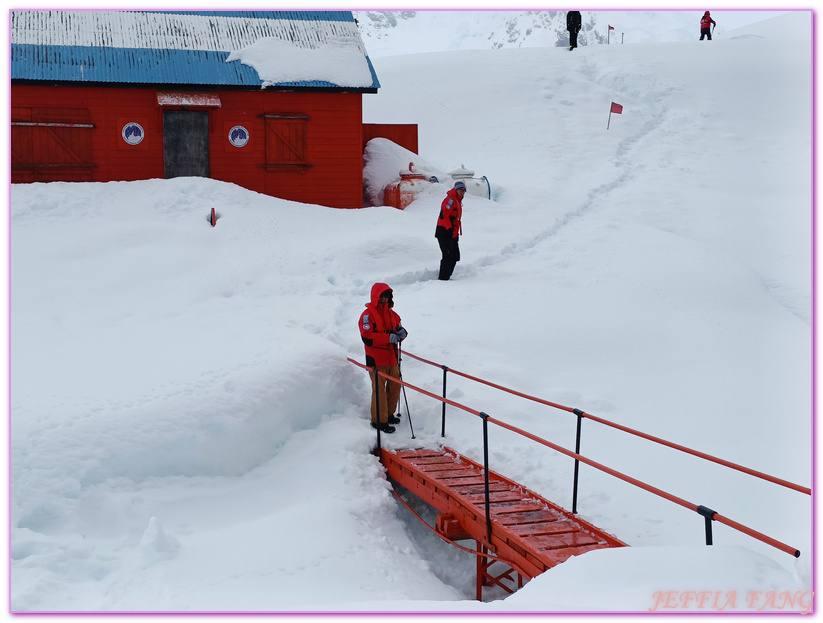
(706, 24)
(573, 23)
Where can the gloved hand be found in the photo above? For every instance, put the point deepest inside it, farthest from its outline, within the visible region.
(401, 333)
(393, 338)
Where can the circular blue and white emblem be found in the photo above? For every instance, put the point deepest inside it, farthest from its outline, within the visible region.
(133, 133)
(238, 136)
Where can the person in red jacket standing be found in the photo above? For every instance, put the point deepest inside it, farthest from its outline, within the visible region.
(448, 229)
(381, 332)
(706, 23)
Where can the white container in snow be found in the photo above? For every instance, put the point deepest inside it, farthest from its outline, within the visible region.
(478, 186)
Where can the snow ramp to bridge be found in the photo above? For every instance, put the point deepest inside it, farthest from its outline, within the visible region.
(515, 526)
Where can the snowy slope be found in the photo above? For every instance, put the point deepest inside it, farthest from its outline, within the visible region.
(389, 33)
(186, 434)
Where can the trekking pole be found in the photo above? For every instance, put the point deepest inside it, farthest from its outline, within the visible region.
(400, 372)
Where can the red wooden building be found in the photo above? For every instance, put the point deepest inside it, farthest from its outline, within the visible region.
(269, 100)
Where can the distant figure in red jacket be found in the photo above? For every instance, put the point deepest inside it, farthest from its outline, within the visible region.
(706, 23)
(381, 332)
(448, 229)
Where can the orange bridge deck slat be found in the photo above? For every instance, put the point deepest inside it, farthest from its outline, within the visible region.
(529, 532)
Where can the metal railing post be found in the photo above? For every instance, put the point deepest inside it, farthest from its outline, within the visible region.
(485, 417)
(579, 415)
(708, 514)
(443, 429)
(377, 405)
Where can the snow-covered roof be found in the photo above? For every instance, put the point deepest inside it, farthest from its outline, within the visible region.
(294, 49)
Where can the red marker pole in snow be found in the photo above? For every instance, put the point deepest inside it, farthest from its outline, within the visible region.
(616, 109)
(213, 218)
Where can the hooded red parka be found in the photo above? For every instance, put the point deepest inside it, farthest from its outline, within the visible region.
(451, 210)
(376, 322)
(706, 21)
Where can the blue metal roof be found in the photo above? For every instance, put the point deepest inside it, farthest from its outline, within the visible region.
(170, 47)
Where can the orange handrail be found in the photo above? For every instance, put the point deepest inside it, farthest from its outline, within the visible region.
(419, 389)
(612, 472)
(651, 489)
(626, 429)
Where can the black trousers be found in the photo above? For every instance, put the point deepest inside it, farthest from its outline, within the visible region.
(451, 255)
(573, 38)
(706, 32)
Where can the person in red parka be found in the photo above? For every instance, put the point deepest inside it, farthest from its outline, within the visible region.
(448, 229)
(706, 23)
(381, 332)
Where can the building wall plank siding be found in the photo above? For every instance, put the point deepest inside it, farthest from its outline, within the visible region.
(404, 134)
(121, 70)
(334, 177)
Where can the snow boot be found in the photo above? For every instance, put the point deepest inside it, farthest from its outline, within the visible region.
(384, 428)
(394, 419)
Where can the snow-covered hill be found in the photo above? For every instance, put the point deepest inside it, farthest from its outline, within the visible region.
(187, 435)
(406, 32)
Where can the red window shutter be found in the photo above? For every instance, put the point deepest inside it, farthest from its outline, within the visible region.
(286, 140)
(51, 144)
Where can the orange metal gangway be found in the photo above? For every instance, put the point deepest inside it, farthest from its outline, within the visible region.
(526, 531)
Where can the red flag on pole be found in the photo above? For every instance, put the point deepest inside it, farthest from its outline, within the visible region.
(616, 108)
(611, 27)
